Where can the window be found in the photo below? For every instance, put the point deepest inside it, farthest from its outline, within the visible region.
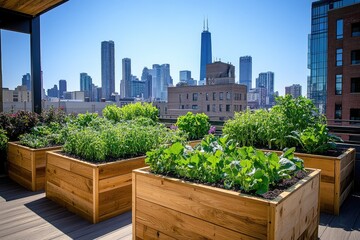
(339, 28)
(194, 106)
(187, 96)
(214, 108)
(214, 95)
(245, 97)
(228, 96)
(195, 96)
(240, 108)
(180, 98)
(355, 29)
(338, 85)
(182, 106)
(220, 107)
(355, 57)
(208, 108)
(355, 115)
(227, 108)
(240, 97)
(221, 96)
(355, 85)
(338, 109)
(207, 97)
(339, 56)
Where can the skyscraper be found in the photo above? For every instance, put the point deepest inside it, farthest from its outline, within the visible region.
(26, 81)
(294, 90)
(245, 74)
(206, 56)
(107, 69)
(147, 78)
(86, 84)
(126, 77)
(62, 88)
(266, 81)
(185, 75)
(317, 49)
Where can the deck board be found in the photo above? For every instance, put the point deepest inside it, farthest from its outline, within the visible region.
(24, 213)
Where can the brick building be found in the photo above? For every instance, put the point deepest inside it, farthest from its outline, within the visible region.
(343, 81)
(219, 99)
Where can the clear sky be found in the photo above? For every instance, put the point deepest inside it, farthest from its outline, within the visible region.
(274, 33)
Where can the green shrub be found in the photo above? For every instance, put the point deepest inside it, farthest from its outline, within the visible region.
(53, 115)
(217, 160)
(16, 124)
(131, 111)
(196, 126)
(3, 140)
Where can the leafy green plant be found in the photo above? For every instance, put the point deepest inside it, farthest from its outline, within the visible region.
(316, 139)
(217, 160)
(131, 112)
(43, 136)
(196, 126)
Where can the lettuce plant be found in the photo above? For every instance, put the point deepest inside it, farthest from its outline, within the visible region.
(131, 112)
(217, 160)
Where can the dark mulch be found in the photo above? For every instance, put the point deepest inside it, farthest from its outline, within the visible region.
(107, 160)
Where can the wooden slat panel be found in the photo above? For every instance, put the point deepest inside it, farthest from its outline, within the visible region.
(246, 215)
(120, 167)
(347, 157)
(180, 225)
(115, 201)
(75, 184)
(327, 197)
(72, 202)
(292, 216)
(146, 232)
(114, 182)
(31, 7)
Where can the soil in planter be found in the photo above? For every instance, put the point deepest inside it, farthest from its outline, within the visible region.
(273, 192)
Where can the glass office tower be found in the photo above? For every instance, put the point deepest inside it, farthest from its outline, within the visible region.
(317, 50)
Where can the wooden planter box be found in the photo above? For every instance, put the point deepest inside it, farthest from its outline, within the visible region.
(94, 191)
(26, 166)
(169, 208)
(193, 143)
(337, 177)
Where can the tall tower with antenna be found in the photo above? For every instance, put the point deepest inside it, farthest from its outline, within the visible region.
(206, 55)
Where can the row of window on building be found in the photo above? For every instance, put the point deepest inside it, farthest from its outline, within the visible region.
(214, 107)
(195, 96)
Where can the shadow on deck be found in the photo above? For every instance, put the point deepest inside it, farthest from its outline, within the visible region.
(29, 215)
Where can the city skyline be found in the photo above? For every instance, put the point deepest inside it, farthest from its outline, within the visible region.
(70, 43)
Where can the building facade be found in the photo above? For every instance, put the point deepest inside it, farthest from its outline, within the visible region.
(266, 80)
(206, 52)
(293, 90)
(147, 78)
(107, 69)
(245, 71)
(218, 99)
(19, 94)
(53, 92)
(343, 65)
(62, 88)
(126, 77)
(317, 49)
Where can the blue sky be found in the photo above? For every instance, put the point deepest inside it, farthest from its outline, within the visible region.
(274, 33)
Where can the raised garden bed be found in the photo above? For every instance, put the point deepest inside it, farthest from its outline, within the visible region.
(337, 177)
(170, 208)
(26, 166)
(93, 191)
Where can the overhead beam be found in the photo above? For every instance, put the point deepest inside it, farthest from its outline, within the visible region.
(14, 21)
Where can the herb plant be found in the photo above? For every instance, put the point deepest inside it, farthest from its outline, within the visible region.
(131, 111)
(196, 126)
(3, 140)
(217, 160)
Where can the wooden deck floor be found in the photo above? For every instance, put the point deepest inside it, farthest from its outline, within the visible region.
(28, 215)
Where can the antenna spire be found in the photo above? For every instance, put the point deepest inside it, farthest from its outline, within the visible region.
(207, 24)
(204, 25)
